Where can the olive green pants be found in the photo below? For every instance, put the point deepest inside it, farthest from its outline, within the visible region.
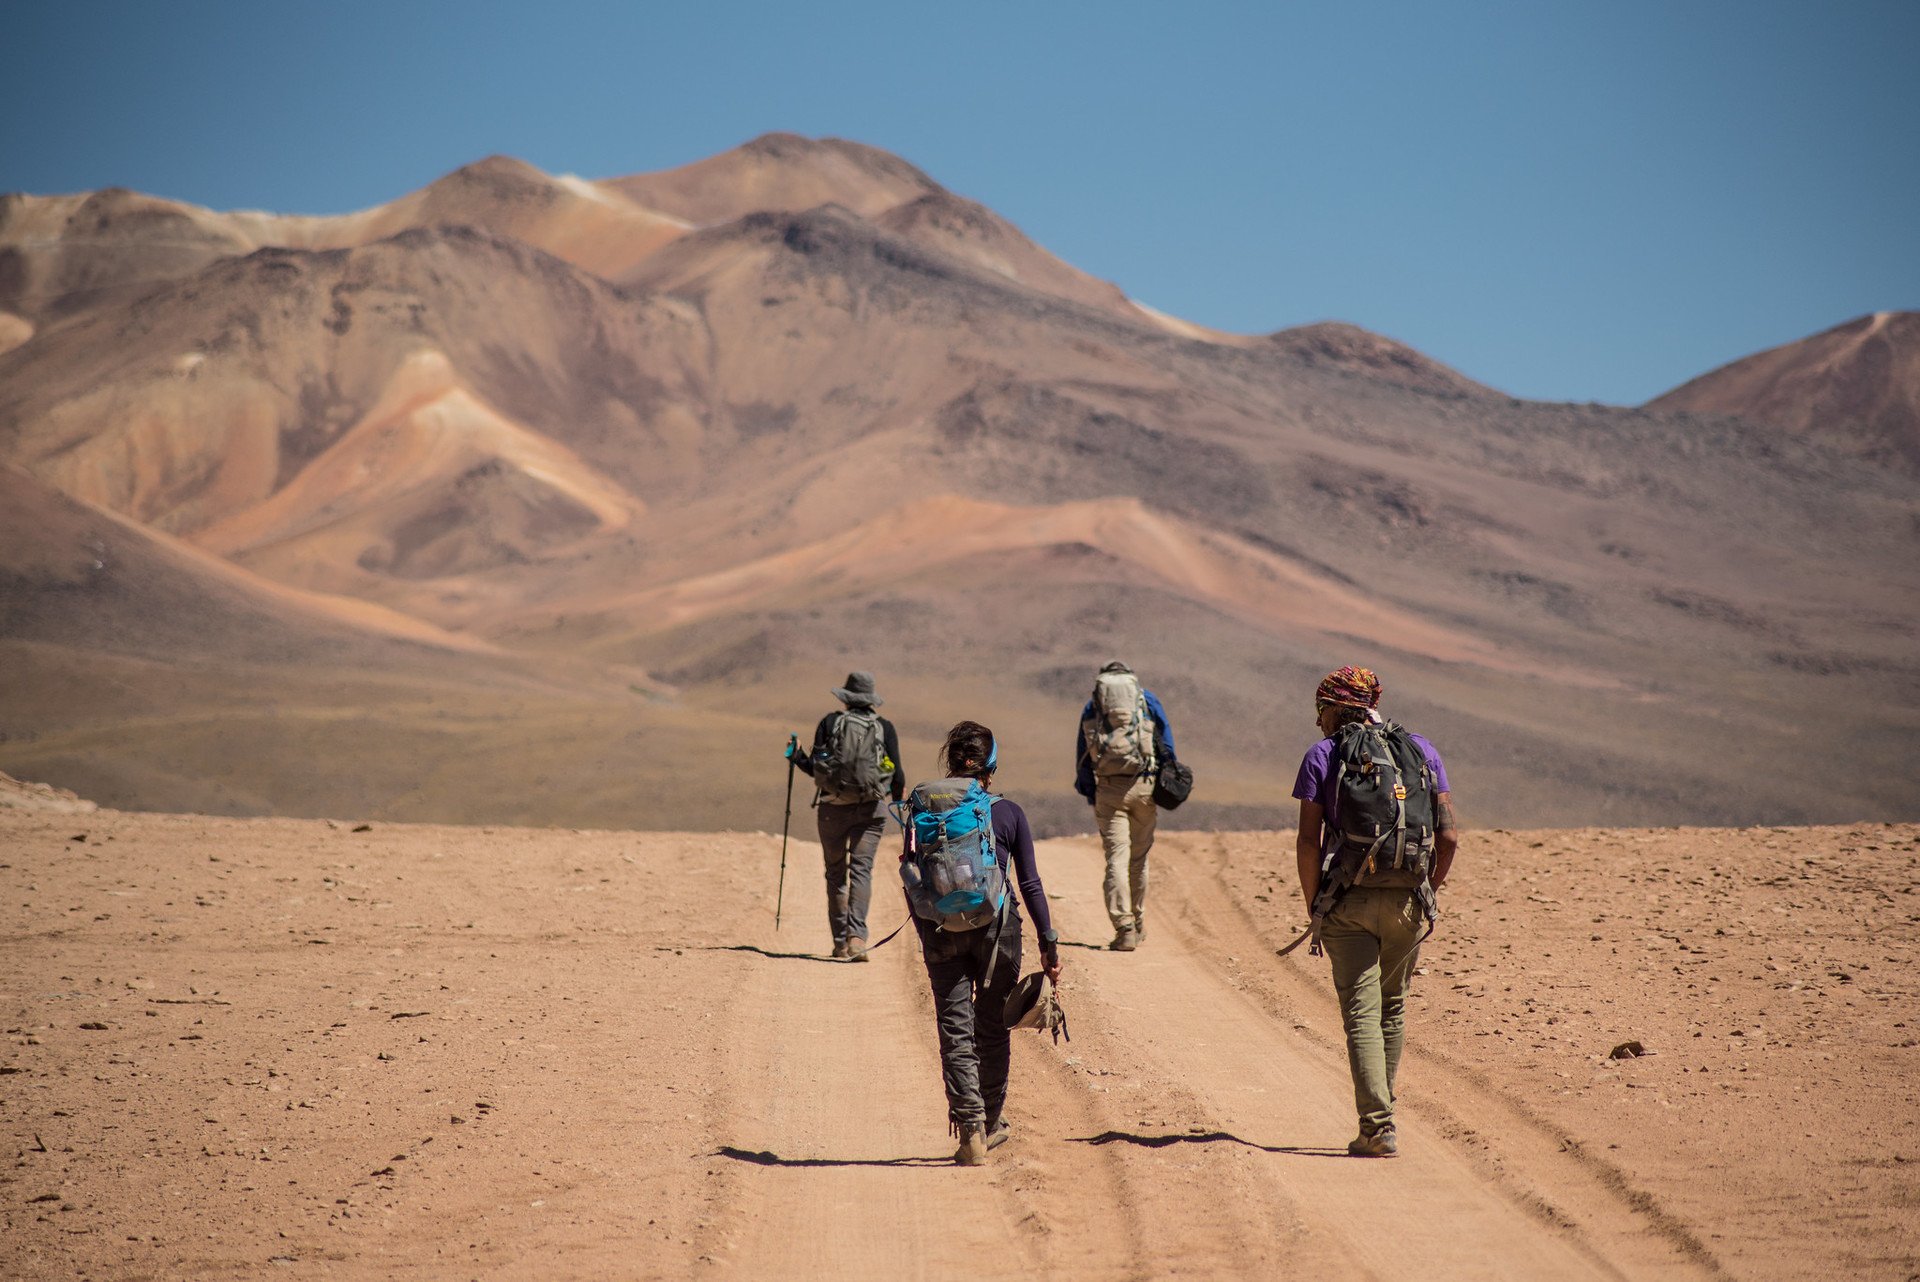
(1373, 940)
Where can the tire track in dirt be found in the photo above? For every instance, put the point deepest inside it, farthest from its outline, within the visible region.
(1254, 1085)
(1541, 1167)
(1533, 1165)
(1193, 1197)
(834, 1157)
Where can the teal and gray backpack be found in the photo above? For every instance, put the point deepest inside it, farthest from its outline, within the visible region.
(954, 877)
(852, 766)
(1383, 790)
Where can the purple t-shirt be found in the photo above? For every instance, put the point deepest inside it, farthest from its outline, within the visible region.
(1315, 780)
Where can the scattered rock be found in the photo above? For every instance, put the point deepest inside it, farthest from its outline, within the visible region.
(1628, 1050)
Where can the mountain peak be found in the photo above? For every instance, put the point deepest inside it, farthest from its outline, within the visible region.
(1856, 385)
(778, 171)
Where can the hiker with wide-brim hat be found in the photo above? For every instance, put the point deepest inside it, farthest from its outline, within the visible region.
(1376, 840)
(963, 851)
(853, 764)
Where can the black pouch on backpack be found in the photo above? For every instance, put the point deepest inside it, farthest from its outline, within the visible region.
(1173, 782)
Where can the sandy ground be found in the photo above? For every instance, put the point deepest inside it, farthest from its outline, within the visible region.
(240, 1048)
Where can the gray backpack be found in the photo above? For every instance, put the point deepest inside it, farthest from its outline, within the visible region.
(852, 766)
(1119, 731)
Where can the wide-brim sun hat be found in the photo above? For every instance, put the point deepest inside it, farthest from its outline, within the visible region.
(1034, 1004)
(858, 689)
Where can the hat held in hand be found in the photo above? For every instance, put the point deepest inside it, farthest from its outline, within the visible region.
(1033, 1004)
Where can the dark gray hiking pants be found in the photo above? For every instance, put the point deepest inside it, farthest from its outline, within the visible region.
(849, 835)
(974, 1050)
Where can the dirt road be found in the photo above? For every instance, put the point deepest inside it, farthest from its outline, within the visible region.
(439, 1052)
(1189, 1130)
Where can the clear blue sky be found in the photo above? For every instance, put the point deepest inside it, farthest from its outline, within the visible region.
(1570, 200)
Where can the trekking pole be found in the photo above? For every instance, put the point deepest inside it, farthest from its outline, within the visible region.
(793, 744)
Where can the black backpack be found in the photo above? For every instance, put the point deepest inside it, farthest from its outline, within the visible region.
(1383, 792)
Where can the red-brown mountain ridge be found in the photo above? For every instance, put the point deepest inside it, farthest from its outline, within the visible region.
(532, 498)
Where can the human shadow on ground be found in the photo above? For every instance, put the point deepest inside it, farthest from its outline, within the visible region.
(768, 952)
(774, 1159)
(1202, 1137)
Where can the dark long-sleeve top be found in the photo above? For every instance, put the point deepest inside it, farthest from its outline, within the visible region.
(1013, 839)
(1083, 764)
(888, 739)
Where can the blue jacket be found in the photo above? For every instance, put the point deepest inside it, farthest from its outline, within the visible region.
(1083, 764)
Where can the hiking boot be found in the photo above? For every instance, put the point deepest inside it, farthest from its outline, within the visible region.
(856, 949)
(1126, 941)
(1377, 1143)
(998, 1133)
(973, 1145)
(840, 949)
(1140, 928)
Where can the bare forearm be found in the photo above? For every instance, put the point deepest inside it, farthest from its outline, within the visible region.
(1306, 857)
(1446, 838)
(1306, 849)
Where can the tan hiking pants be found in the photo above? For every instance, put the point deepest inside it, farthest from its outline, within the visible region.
(1124, 812)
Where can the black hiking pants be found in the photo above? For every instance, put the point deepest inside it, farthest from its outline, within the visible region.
(971, 1013)
(849, 835)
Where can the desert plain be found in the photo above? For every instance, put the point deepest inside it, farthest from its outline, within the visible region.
(311, 1048)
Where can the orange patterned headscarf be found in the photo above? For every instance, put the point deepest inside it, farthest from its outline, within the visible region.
(1349, 688)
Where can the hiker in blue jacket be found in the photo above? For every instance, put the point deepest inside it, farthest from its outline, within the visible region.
(972, 971)
(1123, 737)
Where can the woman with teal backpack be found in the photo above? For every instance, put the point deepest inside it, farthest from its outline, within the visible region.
(964, 849)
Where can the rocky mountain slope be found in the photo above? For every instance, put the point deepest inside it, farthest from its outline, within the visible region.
(607, 482)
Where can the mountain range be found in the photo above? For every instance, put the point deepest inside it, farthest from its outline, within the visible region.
(527, 498)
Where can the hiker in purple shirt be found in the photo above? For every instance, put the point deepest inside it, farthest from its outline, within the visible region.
(972, 971)
(1376, 840)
